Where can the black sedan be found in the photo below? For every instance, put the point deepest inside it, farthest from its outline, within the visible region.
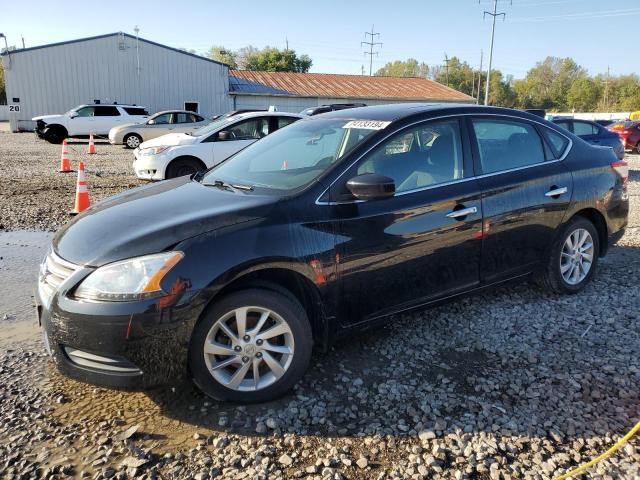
(321, 230)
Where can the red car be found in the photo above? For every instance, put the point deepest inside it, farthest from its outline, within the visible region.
(629, 133)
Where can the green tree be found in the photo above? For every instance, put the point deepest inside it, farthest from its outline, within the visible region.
(3, 88)
(583, 95)
(407, 68)
(271, 59)
(223, 55)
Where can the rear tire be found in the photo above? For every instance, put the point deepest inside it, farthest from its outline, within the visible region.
(55, 134)
(132, 140)
(183, 166)
(266, 372)
(638, 148)
(573, 259)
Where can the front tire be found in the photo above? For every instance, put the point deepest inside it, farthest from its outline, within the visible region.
(638, 148)
(573, 259)
(55, 134)
(183, 166)
(133, 140)
(251, 346)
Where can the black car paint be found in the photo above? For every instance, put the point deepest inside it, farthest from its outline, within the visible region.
(355, 262)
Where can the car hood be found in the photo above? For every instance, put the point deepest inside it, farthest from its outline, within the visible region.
(170, 139)
(153, 218)
(46, 118)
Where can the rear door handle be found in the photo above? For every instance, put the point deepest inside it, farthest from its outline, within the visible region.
(556, 192)
(463, 212)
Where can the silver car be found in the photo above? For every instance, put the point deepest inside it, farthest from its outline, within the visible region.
(161, 123)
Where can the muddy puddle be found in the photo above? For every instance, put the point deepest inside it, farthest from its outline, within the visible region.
(20, 255)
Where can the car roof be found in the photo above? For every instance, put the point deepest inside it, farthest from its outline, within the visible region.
(110, 105)
(265, 114)
(397, 111)
(163, 112)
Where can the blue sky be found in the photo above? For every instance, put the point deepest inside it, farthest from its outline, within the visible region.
(593, 32)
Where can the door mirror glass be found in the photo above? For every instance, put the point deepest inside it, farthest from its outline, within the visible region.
(73, 114)
(223, 136)
(371, 186)
(151, 122)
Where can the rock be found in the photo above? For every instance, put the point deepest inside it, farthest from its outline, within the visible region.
(130, 432)
(285, 460)
(362, 462)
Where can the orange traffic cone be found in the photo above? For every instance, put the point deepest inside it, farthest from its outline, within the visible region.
(92, 146)
(65, 164)
(82, 194)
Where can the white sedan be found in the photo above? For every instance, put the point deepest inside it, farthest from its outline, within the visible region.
(178, 154)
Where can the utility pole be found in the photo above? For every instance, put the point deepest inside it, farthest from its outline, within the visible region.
(286, 41)
(480, 79)
(22, 37)
(371, 44)
(606, 91)
(446, 66)
(363, 69)
(493, 33)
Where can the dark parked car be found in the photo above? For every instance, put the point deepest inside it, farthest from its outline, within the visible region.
(331, 108)
(629, 133)
(592, 133)
(322, 229)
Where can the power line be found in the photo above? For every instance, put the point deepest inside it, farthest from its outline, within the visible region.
(371, 44)
(493, 33)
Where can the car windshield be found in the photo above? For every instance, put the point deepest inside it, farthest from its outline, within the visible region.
(294, 156)
(215, 125)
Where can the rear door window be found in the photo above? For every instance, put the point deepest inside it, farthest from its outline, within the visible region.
(106, 111)
(584, 129)
(507, 144)
(182, 118)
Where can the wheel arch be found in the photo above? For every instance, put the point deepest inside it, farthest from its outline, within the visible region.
(183, 157)
(287, 282)
(598, 220)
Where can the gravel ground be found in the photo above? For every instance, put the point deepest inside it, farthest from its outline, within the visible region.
(515, 383)
(35, 196)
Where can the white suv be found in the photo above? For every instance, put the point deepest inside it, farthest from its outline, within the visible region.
(85, 119)
(177, 154)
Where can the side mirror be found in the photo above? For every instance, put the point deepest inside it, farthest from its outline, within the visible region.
(151, 122)
(223, 136)
(73, 114)
(371, 186)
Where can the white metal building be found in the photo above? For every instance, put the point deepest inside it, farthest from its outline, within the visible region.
(118, 67)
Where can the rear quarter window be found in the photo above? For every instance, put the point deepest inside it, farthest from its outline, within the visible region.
(558, 143)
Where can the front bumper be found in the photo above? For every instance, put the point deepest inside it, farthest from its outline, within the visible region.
(117, 344)
(115, 138)
(149, 167)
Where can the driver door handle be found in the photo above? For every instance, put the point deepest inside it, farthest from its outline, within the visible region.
(556, 192)
(463, 212)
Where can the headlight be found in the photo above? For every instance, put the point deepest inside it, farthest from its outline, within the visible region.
(154, 150)
(134, 279)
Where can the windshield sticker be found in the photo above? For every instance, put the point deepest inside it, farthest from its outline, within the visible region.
(367, 124)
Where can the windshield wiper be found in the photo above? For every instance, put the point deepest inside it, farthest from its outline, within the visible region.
(229, 186)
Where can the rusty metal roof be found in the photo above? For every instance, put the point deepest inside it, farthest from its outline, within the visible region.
(341, 86)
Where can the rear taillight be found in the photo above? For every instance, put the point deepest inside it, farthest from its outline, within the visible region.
(622, 169)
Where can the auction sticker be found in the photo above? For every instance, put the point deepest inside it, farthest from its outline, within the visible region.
(367, 124)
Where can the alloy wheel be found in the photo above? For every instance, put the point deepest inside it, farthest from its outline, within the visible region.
(249, 348)
(133, 141)
(576, 257)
